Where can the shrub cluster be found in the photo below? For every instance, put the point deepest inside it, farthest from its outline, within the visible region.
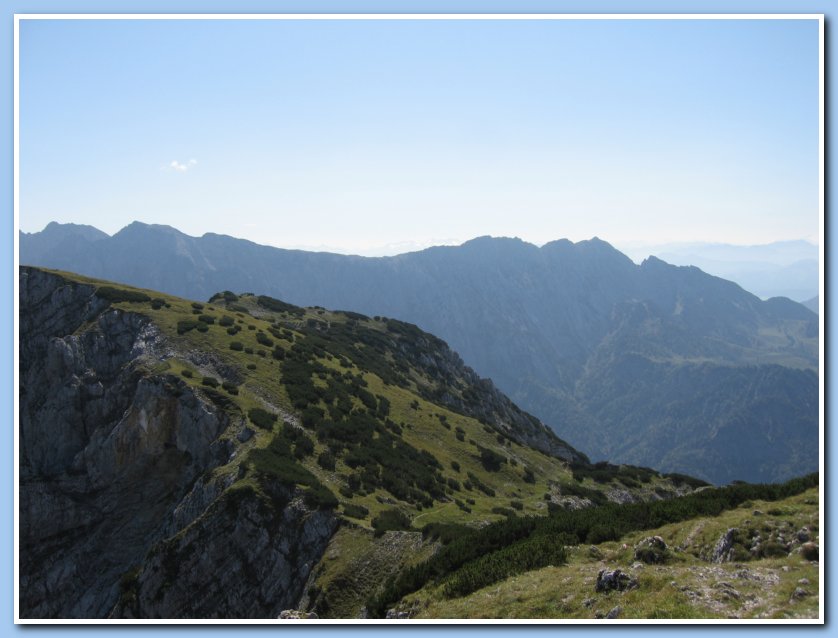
(186, 325)
(116, 295)
(531, 553)
(355, 511)
(277, 462)
(262, 418)
(269, 303)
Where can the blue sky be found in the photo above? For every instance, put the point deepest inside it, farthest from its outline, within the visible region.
(369, 137)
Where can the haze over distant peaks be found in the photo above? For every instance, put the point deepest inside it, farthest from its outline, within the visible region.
(778, 269)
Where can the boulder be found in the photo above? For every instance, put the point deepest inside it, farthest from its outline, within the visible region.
(652, 550)
(614, 580)
(395, 614)
(810, 551)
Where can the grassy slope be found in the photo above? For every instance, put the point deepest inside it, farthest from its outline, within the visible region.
(686, 587)
(260, 387)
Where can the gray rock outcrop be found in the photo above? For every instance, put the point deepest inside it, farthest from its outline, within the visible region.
(614, 580)
(723, 550)
(121, 513)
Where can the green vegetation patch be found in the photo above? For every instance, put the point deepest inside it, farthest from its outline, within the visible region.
(275, 305)
(262, 418)
(117, 295)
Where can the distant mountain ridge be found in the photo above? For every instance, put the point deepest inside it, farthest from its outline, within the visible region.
(779, 269)
(571, 331)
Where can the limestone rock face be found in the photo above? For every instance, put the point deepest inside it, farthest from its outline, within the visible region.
(244, 558)
(121, 513)
(723, 551)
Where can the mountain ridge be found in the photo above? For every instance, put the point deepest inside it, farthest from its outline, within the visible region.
(533, 319)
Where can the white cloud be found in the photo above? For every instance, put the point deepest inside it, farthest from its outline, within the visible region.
(182, 167)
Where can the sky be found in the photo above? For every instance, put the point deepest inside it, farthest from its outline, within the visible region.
(376, 137)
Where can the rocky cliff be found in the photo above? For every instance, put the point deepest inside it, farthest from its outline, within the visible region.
(121, 512)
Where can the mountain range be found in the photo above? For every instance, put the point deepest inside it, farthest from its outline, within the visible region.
(650, 364)
(243, 457)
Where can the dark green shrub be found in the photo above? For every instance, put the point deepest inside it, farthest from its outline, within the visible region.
(117, 295)
(529, 477)
(210, 381)
(601, 533)
(480, 485)
(226, 321)
(318, 496)
(278, 353)
(652, 555)
(261, 418)
(526, 555)
(390, 520)
(455, 466)
(771, 549)
(276, 305)
(185, 326)
(810, 551)
(326, 460)
(491, 460)
(187, 373)
(303, 447)
(248, 350)
(518, 505)
(251, 366)
(207, 319)
(355, 511)
(226, 295)
(236, 345)
(264, 339)
(197, 306)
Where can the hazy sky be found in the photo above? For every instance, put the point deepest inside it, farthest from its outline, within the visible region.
(358, 135)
